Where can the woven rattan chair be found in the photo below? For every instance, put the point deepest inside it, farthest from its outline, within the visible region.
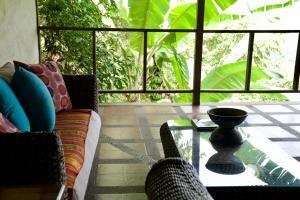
(174, 179)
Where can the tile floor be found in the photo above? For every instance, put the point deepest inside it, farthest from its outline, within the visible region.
(130, 141)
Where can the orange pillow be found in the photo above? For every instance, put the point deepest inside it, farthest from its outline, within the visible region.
(50, 74)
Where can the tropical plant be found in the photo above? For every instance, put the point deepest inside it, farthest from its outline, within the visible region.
(120, 55)
(162, 49)
(73, 49)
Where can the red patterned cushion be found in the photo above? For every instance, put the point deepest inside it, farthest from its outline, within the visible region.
(6, 126)
(50, 74)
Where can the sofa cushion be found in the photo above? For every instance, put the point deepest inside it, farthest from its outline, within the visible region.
(35, 99)
(11, 108)
(50, 74)
(7, 71)
(72, 127)
(6, 126)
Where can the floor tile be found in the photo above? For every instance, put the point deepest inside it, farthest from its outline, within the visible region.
(257, 119)
(155, 132)
(195, 109)
(119, 120)
(159, 109)
(128, 174)
(122, 132)
(272, 108)
(110, 169)
(160, 119)
(272, 131)
(128, 196)
(107, 151)
(286, 118)
(109, 197)
(292, 148)
(135, 196)
(197, 116)
(160, 149)
(135, 179)
(118, 109)
(120, 180)
(248, 110)
(136, 169)
(122, 169)
(296, 128)
(296, 106)
(110, 180)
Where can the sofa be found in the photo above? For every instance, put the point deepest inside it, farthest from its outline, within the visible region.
(62, 157)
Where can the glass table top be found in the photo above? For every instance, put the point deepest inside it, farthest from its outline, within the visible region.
(257, 162)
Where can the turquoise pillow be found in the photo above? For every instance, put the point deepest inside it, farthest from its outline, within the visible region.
(35, 99)
(11, 108)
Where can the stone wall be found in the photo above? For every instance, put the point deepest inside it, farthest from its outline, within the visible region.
(18, 31)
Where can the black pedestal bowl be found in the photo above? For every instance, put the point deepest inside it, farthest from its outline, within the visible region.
(227, 119)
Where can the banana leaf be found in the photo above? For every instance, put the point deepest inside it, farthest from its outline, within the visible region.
(232, 76)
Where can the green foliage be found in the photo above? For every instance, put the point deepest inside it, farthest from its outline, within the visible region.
(231, 76)
(145, 14)
(73, 49)
(183, 16)
(120, 54)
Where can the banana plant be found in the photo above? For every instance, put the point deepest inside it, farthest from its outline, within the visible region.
(161, 47)
(233, 76)
(155, 14)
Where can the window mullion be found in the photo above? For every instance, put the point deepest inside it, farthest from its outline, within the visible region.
(297, 67)
(198, 52)
(249, 61)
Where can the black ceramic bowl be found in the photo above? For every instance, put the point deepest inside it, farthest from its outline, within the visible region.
(227, 117)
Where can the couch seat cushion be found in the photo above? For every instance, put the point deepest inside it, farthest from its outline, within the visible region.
(72, 126)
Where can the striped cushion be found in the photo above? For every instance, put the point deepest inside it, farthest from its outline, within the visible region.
(72, 126)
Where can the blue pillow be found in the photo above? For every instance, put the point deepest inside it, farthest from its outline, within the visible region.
(35, 99)
(11, 108)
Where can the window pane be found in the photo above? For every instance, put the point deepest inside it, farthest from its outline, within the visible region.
(224, 60)
(119, 60)
(170, 60)
(71, 49)
(275, 54)
(252, 14)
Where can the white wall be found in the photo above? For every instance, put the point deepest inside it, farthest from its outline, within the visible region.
(18, 31)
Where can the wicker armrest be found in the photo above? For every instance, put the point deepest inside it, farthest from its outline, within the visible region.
(83, 91)
(168, 143)
(174, 178)
(31, 158)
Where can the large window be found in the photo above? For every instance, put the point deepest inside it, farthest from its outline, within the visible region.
(174, 50)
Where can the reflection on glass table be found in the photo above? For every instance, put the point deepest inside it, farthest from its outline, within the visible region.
(224, 161)
(264, 163)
